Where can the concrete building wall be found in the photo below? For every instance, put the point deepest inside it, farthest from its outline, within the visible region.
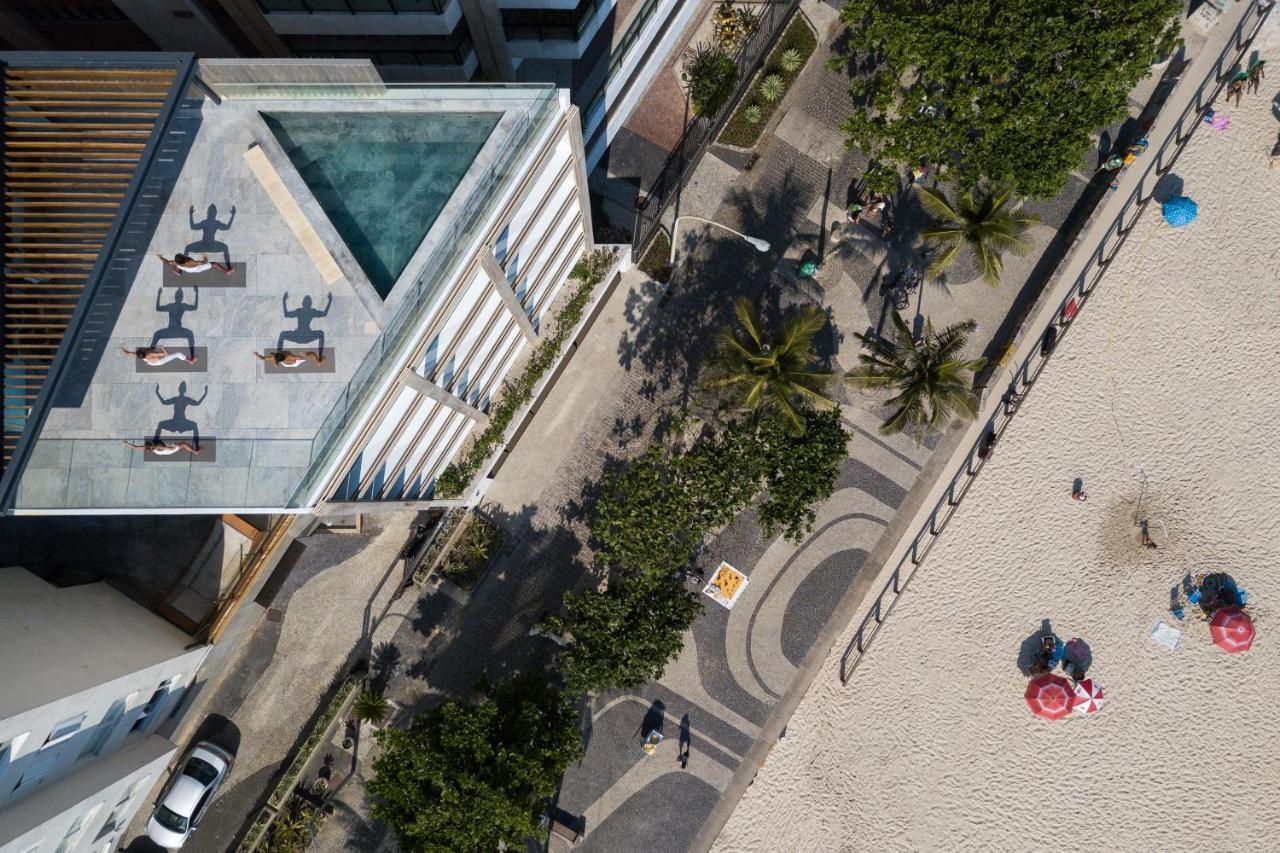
(89, 810)
(87, 675)
(469, 344)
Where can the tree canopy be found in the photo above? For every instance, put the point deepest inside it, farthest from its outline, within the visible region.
(1010, 90)
(468, 778)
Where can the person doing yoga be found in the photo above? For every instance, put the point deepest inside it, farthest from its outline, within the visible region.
(157, 355)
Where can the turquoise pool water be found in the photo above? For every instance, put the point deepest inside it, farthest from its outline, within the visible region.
(382, 178)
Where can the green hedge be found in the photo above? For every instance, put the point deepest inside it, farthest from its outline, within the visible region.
(589, 272)
(738, 131)
(303, 754)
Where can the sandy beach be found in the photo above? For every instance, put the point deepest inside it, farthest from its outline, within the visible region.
(1165, 400)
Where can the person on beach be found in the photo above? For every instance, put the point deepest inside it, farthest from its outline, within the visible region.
(284, 358)
(1236, 88)
(1257, 73)
(1078, 493)
(157, 355)
(1115, 161)
(186, 265)
(1146, 535)
(160, 447)
(1275, 153)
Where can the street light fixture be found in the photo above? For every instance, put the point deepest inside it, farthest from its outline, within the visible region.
(759, 244)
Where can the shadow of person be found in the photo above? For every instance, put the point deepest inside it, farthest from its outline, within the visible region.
(654, 718)
(304, 316)
(176, 310)
(686, 741)
(1031, 652)
(209, 228)
(179, 422)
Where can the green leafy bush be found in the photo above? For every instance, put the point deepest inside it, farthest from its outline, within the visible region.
(371, 707)
(653, 514)
(475, 778)
(588, 272)
(709, 74)
(790, 60)
(753, 114)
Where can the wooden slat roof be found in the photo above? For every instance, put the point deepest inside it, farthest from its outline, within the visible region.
(73, 139)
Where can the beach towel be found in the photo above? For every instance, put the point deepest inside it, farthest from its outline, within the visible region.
(1167, 636)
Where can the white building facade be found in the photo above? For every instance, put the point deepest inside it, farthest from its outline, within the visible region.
(88, 675)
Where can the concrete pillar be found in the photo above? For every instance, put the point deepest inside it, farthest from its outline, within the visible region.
(498, 279)
(178, 25)
(431, 390)
(573, 126)
(484, 20)
(256, 28)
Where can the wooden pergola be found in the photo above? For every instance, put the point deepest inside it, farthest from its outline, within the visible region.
(78, 132)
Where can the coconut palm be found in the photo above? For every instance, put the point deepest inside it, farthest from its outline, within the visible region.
(931, 380)
(982, 222)
(775, 375)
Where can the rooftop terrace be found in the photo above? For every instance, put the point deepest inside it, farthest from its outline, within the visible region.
(224, 187)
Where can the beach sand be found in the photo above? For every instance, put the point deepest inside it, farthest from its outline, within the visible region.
(1170, 377)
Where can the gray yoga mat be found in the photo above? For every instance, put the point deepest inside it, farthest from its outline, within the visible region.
(209, 278)
(208, 449)
(330, 359)
(177, 365)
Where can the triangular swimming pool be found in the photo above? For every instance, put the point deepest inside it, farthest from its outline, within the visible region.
(382, 178)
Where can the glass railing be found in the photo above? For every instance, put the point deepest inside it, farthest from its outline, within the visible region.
(106, 474)
(536, 108)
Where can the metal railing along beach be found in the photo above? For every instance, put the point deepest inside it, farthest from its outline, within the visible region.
(1049, 336)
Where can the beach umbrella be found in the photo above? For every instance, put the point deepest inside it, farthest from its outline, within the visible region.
(1088, 697)
(1049, 696)
(1232, 629)
(1179, 211)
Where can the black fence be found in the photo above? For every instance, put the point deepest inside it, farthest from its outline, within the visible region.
(702, 130)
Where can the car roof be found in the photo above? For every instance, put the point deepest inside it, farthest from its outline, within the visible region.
(184, 795)
(210, 753)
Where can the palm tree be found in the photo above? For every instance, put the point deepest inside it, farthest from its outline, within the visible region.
(774, 376)
(928, 375)
(983, 223)
(371, 707)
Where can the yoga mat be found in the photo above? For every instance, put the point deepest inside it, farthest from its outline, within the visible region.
(209, 278)
(208, 449)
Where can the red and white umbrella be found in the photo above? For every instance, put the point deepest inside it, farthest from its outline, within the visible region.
(1232, 629)
(1088, 697)
(1049, 696)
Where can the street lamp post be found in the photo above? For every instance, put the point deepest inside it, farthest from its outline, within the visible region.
(760, 245)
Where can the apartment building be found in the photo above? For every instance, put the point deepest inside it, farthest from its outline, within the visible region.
(605, 52)
(371, 263)
(88, 675)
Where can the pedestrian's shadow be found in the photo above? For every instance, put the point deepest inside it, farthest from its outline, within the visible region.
(179, 422)
(654, 718)
(1030, 652)
(176, 309)
(209, 228)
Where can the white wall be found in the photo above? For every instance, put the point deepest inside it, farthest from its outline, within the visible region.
(95, 804)
(470, 353)
(78, 669)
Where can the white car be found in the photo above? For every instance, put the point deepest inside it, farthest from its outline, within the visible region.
(188, 796)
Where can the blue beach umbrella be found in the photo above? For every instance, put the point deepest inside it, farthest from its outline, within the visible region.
(1179, 211)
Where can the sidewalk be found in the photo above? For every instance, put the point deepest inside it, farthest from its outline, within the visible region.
(336, 588)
